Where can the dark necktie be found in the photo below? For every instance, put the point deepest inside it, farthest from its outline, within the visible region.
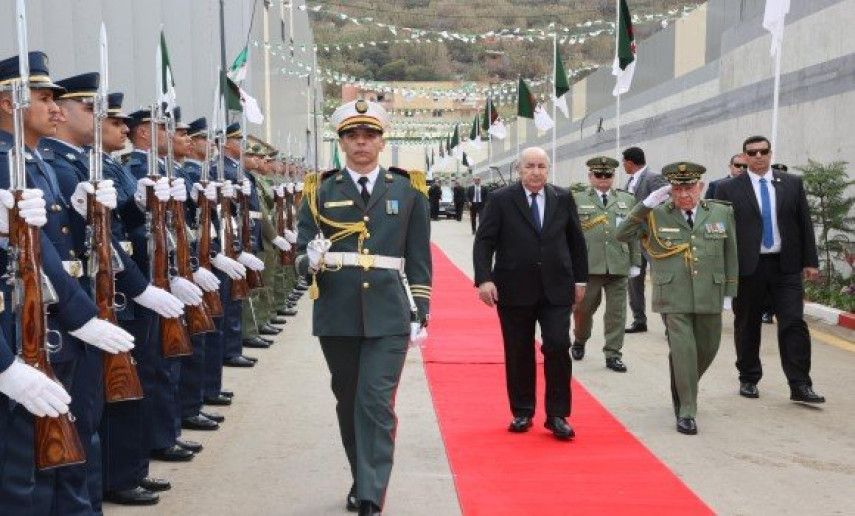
(363, 182)
(689, 218)
(605, 200)
(535, 212)
(629, 183)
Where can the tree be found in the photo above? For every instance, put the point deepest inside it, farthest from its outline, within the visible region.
(825, 187)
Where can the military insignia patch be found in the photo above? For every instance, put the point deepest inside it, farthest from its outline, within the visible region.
(669, 230)
(70, 157)
(392, 207)
(361, 106)
(715, 227)
(621, 205)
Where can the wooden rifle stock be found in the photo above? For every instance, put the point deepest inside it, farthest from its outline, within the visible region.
(212, 299)
(253, 278)
(240, 288)
(56, 440)
(279, 206)
(174, 339)
(121, 381)
(198, 317)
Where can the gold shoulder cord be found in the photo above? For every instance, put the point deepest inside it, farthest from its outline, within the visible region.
(668, 250)
(418, 180)
(599, 219)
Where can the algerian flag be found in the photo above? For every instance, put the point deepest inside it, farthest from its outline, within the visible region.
(625, 52)
(239, 100)
(562, 85)
(542, 120)
(238, 69)
(525, 100)
(498, 130)
(774, 20)
(165, 81)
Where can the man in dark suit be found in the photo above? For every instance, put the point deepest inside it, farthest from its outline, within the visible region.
(459, 198)
(477, 196)
(738, 165)
(776, 246)
(641, 183)
(540, 271)
(434, 195)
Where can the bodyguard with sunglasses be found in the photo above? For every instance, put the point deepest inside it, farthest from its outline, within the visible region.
(776, 248)
(738, 165)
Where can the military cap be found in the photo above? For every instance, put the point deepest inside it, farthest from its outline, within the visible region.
(80, 87)
(140, 116)
(360, 113)
(39, 75)
(176, 112)
(602, 163)
(683, 172)
(114, 105)
(233, 131)
(198, 127)
(253, 149)
(780, 167)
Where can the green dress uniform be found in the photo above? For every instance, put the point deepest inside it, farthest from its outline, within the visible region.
(260, 308)
(694, 267)
(609, 262)
(362, 313)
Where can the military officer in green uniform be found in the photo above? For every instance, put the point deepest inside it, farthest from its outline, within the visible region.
(692, 248)
(364, 237)
(601, 209)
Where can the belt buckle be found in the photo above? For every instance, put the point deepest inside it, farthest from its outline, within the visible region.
(366, 261)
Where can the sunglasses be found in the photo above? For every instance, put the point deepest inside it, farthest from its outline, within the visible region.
(761, 152)
(603, 175)
(741, 166)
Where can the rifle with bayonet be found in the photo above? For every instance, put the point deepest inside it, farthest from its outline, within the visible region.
(203, 239)
(174, 339)
(282, 206)
(121, 381)
(253, 277)
(56, 440)
(239, 287)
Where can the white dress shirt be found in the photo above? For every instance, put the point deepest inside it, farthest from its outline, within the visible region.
(476, 195)
(693, 212)
(372, 178)
(776, 234)
(633, 180)
(541, 202)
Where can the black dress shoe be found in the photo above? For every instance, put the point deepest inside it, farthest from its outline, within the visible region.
(278, 319)
(220, 400)
(636, 327)
(251, 359)
(174, 453)
(189, 445)
(687, 425)
(255, 342)
(199, 422)
(520, 424)
(212, 416)
(227, 394)
(135, 496)
(767, 318)
(287, 312)
(155, 485)
(805, 394)
(367, 508)
(616, 364)
(266, 329)
(265, 339)
(352, 502)
(748, 390)
(577, 351)
(238, 361)
(559, 427)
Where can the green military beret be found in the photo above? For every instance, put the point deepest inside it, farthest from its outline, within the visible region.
(683, 172)
(602, 163)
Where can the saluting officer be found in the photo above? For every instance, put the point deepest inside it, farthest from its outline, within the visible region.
(364, 234)
(601, 209)
(692, 248)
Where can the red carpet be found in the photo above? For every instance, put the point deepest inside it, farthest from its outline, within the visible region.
(605, 470)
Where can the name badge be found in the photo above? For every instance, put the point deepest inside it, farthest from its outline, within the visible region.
(621, 205)
(669, 230)
(392, 207)
(338, 204)
(587, 206)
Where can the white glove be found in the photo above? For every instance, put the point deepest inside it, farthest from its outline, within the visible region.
(657, 196)
(290, 236)
(31, 208)
(290, 188)
(246, 187)
(315, 250)
(104, 335)
(634, 271)
(178, 190)
(282, 244)
(727, 304)
(36, 392)
(299, 187)
(250, 261)
(231, 268)
(228, 189)
(206, 279)
(418, 335)
(186, 291)
(160, 301)
(161, 190)
(279, 190)
(209, 191)
(105, 194)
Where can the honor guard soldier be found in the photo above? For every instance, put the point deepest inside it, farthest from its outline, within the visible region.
(601, 209)
(364, 236)
(692, 248)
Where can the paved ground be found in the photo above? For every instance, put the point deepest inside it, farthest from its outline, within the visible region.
(278, 452)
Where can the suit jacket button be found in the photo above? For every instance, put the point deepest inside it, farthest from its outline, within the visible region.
(365, 285)
(55, 207)
(65, 230)
(71, 253)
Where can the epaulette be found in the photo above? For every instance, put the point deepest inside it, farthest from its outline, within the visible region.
(418, 179)
(399, 171)
(47, 154)
(310, 184)
(719, 201)
(328, 173)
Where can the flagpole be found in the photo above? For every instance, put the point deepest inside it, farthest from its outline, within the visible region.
(519, 77)
(617, 98)
(489, 134)
(775, 97)
(554, 91)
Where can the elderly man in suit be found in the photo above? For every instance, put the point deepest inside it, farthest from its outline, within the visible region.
(532, 230)
(641, 183)
(776, 247)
